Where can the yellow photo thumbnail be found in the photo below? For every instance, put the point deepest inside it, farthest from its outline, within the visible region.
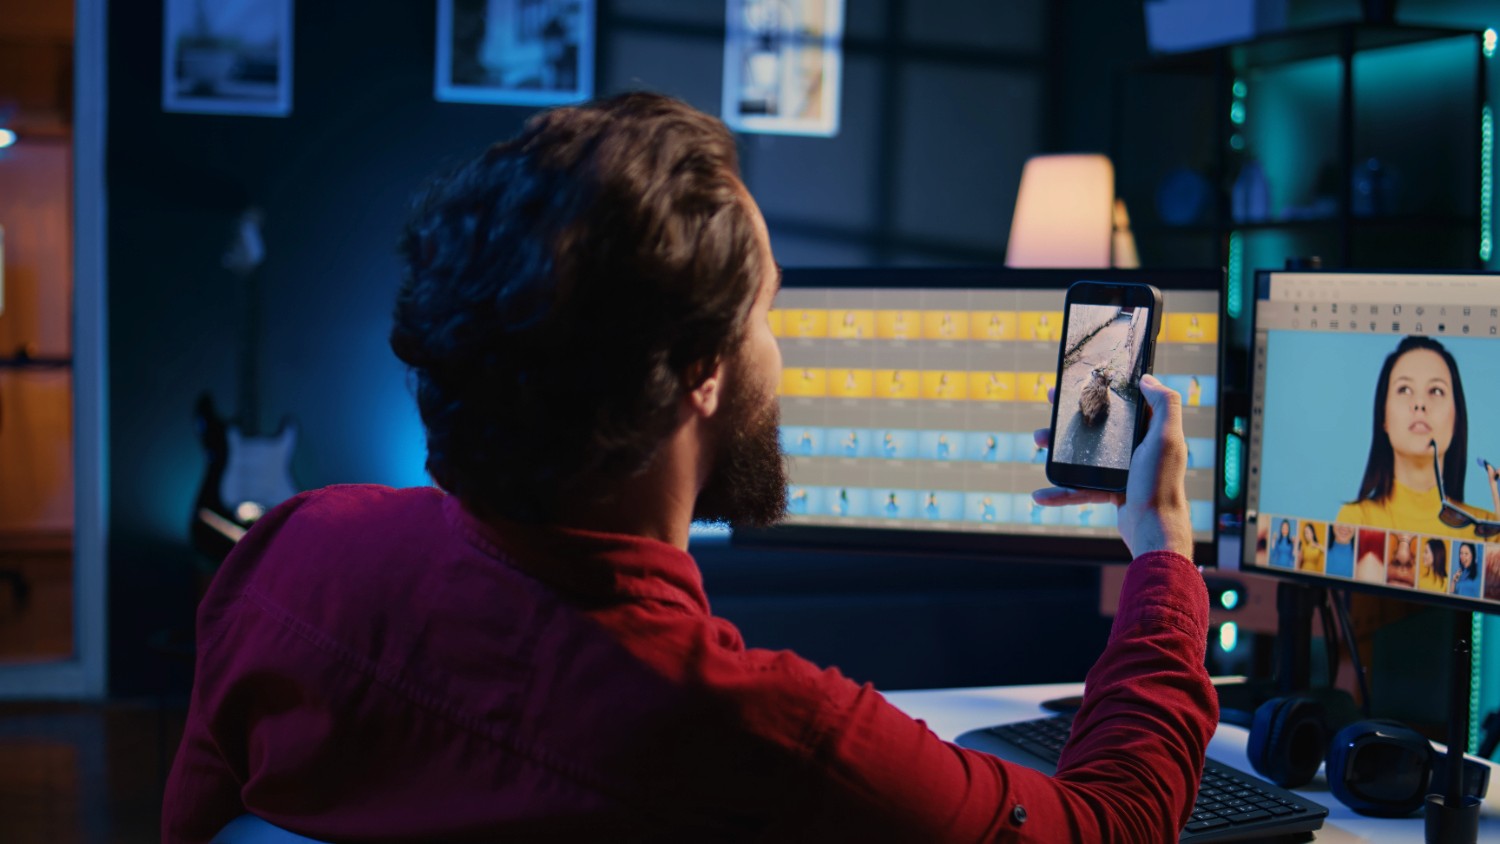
(992, 386)
(945, 385)
(1192, 328)
(851, 325)
(804, 383)
(898, 384)
(1041, 325)
(992, 325)
(851, 383)
(898, 325)
(797, 322)
(945, 325)
(1033, 386)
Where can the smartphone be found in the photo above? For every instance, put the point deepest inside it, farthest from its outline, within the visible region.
(1109, 342)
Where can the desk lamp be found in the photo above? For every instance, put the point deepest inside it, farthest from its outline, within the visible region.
(1067, 215)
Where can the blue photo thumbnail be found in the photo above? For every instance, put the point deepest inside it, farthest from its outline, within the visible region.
(1202, 515)
(895, 503)
(937, 505)
(849, 442)
(894, 444)
(802, 440)
(987, 446)
(1200, 453)
(846, 501)
(1196, 390)
(1025, 450)
(805, 500)
(940, 445)
(987, 507)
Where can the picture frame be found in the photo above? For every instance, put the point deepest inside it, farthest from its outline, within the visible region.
(515, 52)
(783, 66)
(227, 58)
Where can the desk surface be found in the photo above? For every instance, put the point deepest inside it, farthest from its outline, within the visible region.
(949, 712)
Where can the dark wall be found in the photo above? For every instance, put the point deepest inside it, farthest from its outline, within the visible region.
(943, 101)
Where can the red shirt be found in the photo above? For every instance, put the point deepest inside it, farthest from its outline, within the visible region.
(377, 664)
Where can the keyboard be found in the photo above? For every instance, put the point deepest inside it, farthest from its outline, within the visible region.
(1232, 805)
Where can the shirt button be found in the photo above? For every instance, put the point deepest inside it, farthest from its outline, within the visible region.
(1018, 814)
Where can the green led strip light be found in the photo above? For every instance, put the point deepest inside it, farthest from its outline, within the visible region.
(1236, 276)
(1232, 450)
(1476, 672)
(1486, 182)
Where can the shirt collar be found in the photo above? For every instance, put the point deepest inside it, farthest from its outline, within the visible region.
(593, 567)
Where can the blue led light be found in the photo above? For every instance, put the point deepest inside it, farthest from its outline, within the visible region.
(1240, 89)
(1229, 599)
(1237, 113)
(7, 138)
(1489, 43)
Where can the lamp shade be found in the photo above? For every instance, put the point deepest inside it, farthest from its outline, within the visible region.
(1065, 213)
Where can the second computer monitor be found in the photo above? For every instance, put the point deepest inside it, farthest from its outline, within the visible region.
(909, 398)
(1373, 433)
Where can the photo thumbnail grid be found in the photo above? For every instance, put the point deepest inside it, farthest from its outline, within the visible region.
(1443, 565)
(922, 412)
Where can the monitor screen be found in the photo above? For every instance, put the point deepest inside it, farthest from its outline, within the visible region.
(909, 398)
(1367, 389)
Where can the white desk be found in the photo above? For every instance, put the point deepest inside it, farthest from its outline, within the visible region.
(949, 712)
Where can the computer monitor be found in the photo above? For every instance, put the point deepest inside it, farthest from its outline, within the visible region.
(1356, 375)
(909, 397)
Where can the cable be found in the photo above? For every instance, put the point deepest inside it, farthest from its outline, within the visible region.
(1330, 638)
(1341, 606)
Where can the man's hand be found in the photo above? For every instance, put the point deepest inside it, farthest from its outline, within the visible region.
(1154, 509)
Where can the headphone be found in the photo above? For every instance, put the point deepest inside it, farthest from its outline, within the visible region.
(1375, 766)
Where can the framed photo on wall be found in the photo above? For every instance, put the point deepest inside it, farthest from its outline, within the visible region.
(515, 52)
(227, 57)
(782, 61)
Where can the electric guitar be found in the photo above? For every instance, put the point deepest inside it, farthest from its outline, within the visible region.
(247, 473)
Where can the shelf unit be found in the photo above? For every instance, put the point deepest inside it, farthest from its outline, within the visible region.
(1314, 108)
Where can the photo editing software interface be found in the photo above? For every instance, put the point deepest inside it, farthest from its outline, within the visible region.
(913, 409)
(1373, 433)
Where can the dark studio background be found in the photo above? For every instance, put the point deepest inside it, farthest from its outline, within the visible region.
(943, 100)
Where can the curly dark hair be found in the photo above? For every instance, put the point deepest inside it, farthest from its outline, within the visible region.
(565, 290)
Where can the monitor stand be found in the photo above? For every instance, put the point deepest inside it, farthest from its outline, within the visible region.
(1452, 815)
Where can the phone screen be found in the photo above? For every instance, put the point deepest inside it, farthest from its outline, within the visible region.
(1108, 337)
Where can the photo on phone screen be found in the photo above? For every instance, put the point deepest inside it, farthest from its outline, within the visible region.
(1108, 336)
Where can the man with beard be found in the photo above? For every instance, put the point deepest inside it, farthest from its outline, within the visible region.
(527, 654)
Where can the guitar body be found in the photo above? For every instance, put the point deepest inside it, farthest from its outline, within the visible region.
(257, 471)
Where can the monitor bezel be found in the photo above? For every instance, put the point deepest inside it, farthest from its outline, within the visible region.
(1248, 537)
(1020, 547)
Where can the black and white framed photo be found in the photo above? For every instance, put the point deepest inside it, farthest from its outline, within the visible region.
(782, 61)
(515, 52)
(227, 57)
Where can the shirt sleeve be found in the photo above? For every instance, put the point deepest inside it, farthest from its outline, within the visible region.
(1129, 773)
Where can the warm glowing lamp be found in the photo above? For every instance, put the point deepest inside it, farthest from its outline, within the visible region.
(1067, 215)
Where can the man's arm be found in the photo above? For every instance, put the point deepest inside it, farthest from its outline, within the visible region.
(1131, 769)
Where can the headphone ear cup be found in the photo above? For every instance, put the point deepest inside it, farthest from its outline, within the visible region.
(1287, 740)
(1380, 767)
